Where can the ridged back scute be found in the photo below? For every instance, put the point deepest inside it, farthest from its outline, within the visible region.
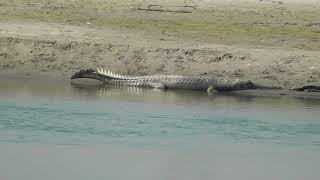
(112, 75)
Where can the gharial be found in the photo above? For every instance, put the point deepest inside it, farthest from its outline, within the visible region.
(202, 82)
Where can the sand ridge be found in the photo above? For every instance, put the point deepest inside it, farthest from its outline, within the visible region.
(191, 47)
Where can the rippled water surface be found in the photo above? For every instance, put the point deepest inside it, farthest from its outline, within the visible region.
(51, 129)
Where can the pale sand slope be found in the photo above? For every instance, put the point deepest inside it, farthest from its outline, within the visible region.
(60, 46)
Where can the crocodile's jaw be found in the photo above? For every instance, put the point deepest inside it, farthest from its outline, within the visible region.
(233, 86)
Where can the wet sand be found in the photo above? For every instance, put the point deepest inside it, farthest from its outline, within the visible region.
(270, 42)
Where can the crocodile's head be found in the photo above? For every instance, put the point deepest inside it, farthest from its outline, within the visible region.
(243, 85)
(235, 86)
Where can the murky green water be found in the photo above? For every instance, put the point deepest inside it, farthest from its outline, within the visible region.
(210, 133)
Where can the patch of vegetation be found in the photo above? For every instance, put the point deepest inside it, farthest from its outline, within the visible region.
(257, 26)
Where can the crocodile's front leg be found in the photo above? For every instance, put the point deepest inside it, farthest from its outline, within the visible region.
(211, 89)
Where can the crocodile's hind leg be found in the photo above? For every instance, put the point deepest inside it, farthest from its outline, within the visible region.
(158, 86)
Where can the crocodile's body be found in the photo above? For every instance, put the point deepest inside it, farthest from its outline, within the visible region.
(169, 81)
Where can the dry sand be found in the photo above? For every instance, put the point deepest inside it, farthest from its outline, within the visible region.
(268, 41)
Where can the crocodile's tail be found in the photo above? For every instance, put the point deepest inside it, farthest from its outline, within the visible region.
(87, 73)
(116, 79)
(99, 73)
(83, 74)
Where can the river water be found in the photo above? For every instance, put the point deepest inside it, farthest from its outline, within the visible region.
(51, 129)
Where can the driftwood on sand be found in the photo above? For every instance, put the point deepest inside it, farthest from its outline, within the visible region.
(159, 8)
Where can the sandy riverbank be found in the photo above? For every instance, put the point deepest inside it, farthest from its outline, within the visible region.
(271, 42)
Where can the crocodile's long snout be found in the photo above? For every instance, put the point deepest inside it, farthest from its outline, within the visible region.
(259, 86)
